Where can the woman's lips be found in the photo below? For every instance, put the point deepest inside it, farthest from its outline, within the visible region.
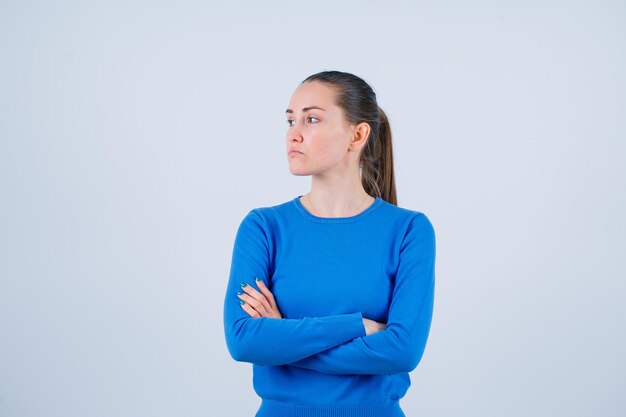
(292, 153)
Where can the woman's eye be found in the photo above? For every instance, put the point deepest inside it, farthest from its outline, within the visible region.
(308, 118)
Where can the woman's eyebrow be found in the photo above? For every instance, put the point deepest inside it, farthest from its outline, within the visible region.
(306, 109)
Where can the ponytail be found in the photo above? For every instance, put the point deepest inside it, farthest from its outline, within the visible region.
(377, 174)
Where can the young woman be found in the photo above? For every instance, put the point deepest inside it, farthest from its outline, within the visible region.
(330, 295)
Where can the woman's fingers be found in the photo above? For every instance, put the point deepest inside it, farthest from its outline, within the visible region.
(372, 326)
(258, 296)
(262, 302)
(267, 293)
(255, 299)
(252, 312)
(254, 303)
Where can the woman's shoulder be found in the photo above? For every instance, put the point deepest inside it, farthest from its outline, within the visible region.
(403, 213)
(267, 214)
(272, 209)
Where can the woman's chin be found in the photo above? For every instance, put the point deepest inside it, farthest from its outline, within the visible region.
(298, 171)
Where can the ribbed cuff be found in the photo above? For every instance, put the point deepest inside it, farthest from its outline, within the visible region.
(339, 328)
(357, 319)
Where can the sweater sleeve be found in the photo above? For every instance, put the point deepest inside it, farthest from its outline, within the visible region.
(271, 341)
(398, 348)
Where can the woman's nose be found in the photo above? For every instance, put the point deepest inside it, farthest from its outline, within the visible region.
(294, 138)
(294, 133)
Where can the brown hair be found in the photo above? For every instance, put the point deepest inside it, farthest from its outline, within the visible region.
(358, 101)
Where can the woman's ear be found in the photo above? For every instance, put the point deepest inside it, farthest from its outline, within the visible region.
(360, 133)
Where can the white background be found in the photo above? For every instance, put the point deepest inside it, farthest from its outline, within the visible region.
(134, 137)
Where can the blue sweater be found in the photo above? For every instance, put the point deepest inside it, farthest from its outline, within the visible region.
(326, 274)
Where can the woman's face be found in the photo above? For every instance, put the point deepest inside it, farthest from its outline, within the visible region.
(319, 130)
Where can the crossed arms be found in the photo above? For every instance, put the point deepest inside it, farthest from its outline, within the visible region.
(335, 344)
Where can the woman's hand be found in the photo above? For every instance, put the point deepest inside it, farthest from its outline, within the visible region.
(259, 304)
(372, 326)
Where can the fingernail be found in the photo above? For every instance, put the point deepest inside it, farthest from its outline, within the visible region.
(258, 279)
(239, 293)
(242, 302)
(243, 284)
